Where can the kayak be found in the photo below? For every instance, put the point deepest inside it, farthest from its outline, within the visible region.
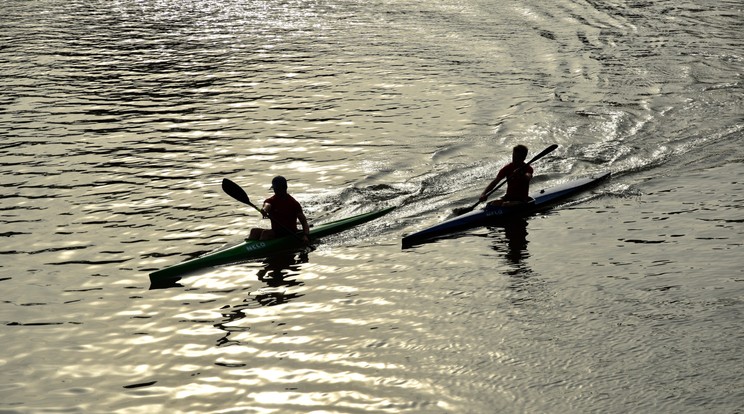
(256, 249)
(542, 200)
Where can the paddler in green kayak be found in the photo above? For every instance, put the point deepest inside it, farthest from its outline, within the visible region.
(518, 175)
(284, 212)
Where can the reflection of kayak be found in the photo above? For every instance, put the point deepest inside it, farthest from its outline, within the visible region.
(542, 200)
(255, 249)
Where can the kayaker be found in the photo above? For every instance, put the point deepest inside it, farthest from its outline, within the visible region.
(518, 175)
(283, 211)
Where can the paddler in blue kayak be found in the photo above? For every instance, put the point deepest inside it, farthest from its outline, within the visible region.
(518, 175)
(283, 211)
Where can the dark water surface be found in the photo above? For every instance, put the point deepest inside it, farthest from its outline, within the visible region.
(119, 119)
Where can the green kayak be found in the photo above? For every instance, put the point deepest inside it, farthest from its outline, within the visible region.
(255, 249)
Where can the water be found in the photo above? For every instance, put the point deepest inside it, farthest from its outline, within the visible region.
(120, 119)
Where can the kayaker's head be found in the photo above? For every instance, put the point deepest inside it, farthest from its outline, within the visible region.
(519, 154)
(279, 185)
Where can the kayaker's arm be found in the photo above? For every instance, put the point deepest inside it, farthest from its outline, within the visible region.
(484, 195)
(305, 226)
(266, 210)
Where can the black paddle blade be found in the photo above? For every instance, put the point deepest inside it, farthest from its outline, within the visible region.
(545, 152)
(462, 210)
(235, 191)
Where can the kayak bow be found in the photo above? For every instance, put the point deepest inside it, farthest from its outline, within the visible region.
(256, 249)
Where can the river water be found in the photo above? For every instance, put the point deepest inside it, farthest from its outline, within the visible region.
(119, 119)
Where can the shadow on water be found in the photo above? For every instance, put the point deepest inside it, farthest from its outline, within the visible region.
(274, 271)
(278, 274)
(512, 243)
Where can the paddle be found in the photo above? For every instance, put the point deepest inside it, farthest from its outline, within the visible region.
(546, 151)
(237, 192)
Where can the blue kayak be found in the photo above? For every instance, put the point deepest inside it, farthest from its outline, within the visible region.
(542, 200)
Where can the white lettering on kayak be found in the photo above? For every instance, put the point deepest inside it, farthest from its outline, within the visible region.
(494, 212)
(253, 246)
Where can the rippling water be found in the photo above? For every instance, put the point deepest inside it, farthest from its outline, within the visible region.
(119, 120)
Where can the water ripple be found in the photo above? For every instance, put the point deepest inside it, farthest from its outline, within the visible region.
(120, 119)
